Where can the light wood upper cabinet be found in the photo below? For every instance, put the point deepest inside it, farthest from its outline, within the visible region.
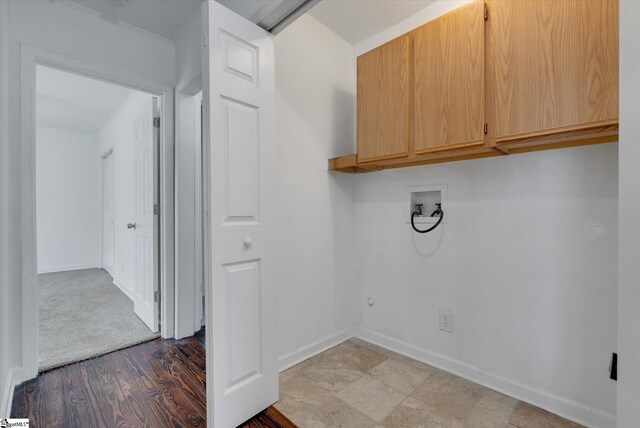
(491, 78)
(552, 67)
(383, 101)
(449, 81)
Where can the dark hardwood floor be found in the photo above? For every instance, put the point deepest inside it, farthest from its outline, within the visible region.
(156, 384)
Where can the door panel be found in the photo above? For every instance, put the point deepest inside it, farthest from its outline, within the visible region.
(242, 297)
(240, 137)
(383, 101)
(553, 65)
(238, 97)
(449, 80)
(146, 222)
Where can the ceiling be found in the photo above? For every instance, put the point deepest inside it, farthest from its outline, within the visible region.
(75, 103)
(353, 20)
(356, 20)
(167, 18)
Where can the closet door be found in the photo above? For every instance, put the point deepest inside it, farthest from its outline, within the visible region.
(449, 80)
(241, 288)
(383, 101)
(552, 66)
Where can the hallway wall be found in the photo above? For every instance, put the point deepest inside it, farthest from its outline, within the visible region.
(67, 200)
(61, 28)
(9, 357)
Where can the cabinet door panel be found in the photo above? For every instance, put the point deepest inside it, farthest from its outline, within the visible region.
(449, 80)
(553, 65)
(383, 101)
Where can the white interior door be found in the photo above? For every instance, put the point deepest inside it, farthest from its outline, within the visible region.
(108, 213)
(146, 297)
(242, 370)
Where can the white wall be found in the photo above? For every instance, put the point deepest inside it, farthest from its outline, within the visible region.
(118, 134)
(315, 96)
(67, 200)
(527, 262)
(59, 28)
(629, 212)
(188, 47)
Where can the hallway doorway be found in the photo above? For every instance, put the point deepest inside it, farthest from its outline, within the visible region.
(97, 224)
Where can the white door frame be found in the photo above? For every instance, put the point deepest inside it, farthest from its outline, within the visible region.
(189, 257)
(103, 156)
(30, 57)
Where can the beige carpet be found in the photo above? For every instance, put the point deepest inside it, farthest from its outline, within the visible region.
(84, 315)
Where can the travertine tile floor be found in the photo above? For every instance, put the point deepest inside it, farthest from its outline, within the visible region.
(357, 384)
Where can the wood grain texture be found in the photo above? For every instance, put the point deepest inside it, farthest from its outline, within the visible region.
(156, 384)
(449, 80)
(383, 101)
(551, 65)
(424, 159)
(347, 163)
(558, 140)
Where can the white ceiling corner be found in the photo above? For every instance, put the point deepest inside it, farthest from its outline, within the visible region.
(75, 103)
(357, 20)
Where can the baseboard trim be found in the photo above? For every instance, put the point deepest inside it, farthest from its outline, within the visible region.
(124, 289)
(13, 380)
(290, 359)
(68, 268)
(560, 405)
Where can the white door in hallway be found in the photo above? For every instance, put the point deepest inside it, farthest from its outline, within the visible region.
(238, 97)
(145, 224)
(108, 213)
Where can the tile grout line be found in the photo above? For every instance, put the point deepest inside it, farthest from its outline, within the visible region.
(368, 373)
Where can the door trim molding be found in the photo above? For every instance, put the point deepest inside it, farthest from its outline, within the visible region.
(30, 57)
(101, 264)
(188, 289)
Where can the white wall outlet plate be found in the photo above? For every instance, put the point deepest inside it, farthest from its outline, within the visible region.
(445, 321)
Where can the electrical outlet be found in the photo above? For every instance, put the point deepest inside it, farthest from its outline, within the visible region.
(445, 322)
